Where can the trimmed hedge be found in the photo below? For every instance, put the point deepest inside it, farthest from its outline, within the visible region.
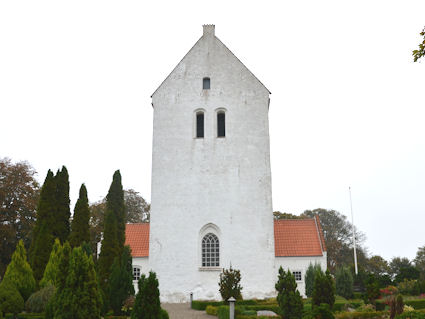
(274, 308)
(411, 315)
(25, 316)
(211, 310)
(164, 314)
(362, 315)
(202, 304)
(415, 303)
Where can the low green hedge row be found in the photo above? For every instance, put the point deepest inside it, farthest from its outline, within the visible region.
(341, 305)
(416, 303)
(362, 315)
(202, 304)
(412, 315)
(25, 316)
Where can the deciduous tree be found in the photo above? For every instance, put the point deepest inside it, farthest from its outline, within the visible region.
(19, 192)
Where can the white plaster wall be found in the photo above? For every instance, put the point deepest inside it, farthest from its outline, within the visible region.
(222, 181)
(299, 264)
(143, 264)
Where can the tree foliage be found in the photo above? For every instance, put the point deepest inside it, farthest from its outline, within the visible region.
(10, 298)
(417, 54)
(80, 229)
(38, 301)
(372, 289)
(377, 265)
(229, 284)
(121, 281)
(337, 231)
(344, 282)
(147, 304)
(324, 289)
(420, 261)
(79, 298)
(51, 272)
(52, 219)
(309, 278)
(137, 210)
(279, 215)
(20, 273)
(288, 297)
(397, 263)
(19, 193)
(114, 230)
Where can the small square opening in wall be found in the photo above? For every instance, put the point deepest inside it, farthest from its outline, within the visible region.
(297, 275)
(136, 273)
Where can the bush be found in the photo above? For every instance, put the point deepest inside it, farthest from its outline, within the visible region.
(164, 314)
(211, 310)
(147, 303)
(309, 278)
(323, 312)
(344, 282)
(203, 304)
(230, 284)
(324, 289)
(416, 303)
(10, 298)
(25, 316)
(38, 301)
(408, 287)
(372, 289)
(288, 297)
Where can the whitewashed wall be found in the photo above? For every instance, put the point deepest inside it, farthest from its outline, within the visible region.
(225, 182)
(299, 264)
(143, 264)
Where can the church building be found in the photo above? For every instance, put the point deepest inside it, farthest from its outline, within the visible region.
(211, 205)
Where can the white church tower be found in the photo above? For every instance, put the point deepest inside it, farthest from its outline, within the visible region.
(211, 181)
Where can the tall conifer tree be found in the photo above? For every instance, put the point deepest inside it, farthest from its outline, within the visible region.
(114, 230)
(80, 230)
(20, 273)
(51, 272)
(62, 211)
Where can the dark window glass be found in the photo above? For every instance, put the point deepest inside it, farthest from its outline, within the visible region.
(206, 83)
(200, 124)
(221, 124)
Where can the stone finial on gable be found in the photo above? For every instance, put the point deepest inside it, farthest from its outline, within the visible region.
(209, 30)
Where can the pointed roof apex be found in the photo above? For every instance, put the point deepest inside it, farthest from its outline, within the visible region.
(209, 30)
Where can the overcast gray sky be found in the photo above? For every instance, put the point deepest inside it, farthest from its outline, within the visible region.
(347, 103)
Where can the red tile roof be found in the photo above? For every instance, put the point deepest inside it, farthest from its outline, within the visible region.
(137, 237)
(298, 237)
(292, 238)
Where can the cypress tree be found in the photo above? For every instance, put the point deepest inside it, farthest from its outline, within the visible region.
(114, 231)
(51, 273)
(121, 281)
(288, 297)
(79, 298)
(324, 289)
(309, 278)
(147, 304)
(344, 282)
(62, 212)
(115, 204)
(80, 229)
(42, 239)
(20, 273)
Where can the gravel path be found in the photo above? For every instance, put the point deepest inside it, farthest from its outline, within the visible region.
(183, 311)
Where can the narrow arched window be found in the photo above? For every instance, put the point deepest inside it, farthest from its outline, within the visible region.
(210, 251)
(200, 124)
(221, 124)
(206, 83)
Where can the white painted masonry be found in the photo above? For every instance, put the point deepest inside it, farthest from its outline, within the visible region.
(219, 185)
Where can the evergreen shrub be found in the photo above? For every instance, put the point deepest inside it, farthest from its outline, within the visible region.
(323, 311)
(309, 278)
(164, 314)
(324, 289)
(288, 297)
(416, 303)
(411, 315)
(211, 310)
(362, 315)
(10, 298)
(344, 282)
(147, 304)
(38, 301)
(230, 284)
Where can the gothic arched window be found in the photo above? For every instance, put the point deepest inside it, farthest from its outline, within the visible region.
(210, 251)
(221, 124)
(200, 124)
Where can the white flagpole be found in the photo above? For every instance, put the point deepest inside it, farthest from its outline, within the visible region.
(354, 237)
